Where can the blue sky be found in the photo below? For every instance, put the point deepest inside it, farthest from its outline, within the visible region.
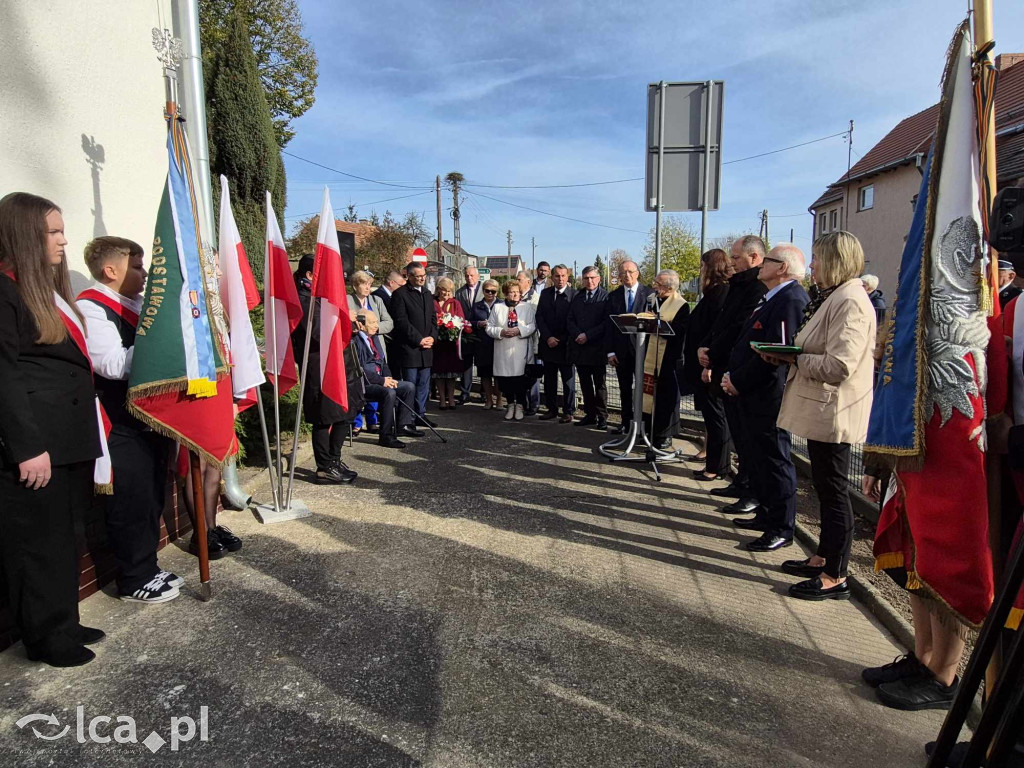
(542, 92)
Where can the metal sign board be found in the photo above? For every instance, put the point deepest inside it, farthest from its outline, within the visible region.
(693, 133)
(484, 272)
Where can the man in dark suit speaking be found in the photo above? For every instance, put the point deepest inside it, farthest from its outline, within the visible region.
(588, 329)
(414, 334)
(629, 297)
(553, 344)
(756, 387)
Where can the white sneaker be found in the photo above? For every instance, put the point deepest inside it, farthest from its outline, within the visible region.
(510, 413)
(170, 578)
(156, 591)
(519, 412)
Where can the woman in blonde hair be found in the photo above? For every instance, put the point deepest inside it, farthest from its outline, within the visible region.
(828, 401)
(49, 434)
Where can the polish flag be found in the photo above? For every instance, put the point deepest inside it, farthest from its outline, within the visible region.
(239, 294)
(283, 312)
(335, 323)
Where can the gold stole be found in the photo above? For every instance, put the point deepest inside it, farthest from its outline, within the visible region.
(656, 349)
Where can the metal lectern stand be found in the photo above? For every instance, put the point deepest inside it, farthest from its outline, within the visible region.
(637, 439)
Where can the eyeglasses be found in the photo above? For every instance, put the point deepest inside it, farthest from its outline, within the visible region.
(774, 261)
(489, 290)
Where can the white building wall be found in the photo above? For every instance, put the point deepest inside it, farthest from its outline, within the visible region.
(81, 114)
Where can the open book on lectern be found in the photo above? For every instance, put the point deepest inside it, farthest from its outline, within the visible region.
(644, 322)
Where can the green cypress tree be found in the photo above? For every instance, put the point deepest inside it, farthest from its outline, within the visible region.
(243, 146)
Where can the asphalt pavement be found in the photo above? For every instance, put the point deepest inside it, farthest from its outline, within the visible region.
(507, 599)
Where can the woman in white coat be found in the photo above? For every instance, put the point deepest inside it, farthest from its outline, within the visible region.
(512, 326)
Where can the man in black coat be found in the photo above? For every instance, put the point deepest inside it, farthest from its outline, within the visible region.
(745, 291)
(468, 295)
(391, 283)
(381, 388)
(414, 334)
(588, 331)
(755, 386)
(553, 344)
(629, 297)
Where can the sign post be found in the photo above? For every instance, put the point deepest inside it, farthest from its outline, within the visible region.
(684, 157)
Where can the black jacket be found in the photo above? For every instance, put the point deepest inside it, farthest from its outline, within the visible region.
(317, 408)
(620, 343)
(750, 374)
(383, 295)
(591, 319)
(47, 399)
(702, 320)
(553, 320)
(415, 319)
(745, 291)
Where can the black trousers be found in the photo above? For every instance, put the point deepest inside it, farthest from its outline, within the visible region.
(830, 468)
(666, 407)
(738, 432)
(719, 439)
(133, 512)
(772, 474)
(327, 442)
(387, 401)
(595, 392)
(551, 373)
(514, 388)
(624, 373)
(39, 554)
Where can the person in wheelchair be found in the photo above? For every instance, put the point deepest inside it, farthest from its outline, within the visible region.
(381, 387)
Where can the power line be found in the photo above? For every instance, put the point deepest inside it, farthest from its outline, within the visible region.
(351, 175)
(785, 149)
(375, 202)
(554, 186)
(556, 215)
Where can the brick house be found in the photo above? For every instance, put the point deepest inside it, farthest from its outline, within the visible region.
(875, 201)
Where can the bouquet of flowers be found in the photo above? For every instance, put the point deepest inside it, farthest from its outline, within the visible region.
(449, 326)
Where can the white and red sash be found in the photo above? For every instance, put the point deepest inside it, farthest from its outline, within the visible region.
(103, 471)
(115, 306)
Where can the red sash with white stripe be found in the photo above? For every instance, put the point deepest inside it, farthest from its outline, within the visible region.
(103, 471)
(112, 304)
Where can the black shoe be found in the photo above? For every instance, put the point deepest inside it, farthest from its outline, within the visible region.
(586, 421)
(391, 442)
(730, 491)
(214, 549)
(231, 542)
(769, 542)
(801, 568)
(373, 429)
(90, 635)
(530, 412)
(549, 415)
(74, 656)
(899, 668)
(812, 589)
(620, 429)
(409, 431)
(347, 473)
(700, 474)
(331, 476)
(920, 692)
(427, 421)
(602, 424)
(755, 523)
(565, 419)
(740, 507)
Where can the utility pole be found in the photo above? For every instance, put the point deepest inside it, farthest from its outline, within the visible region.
(849, 165)
(763, 231)
(508, 235)
(437, 253)
(533, 248)
(791, 234)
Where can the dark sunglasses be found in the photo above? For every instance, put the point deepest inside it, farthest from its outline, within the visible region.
(774, 261)
(489, 290)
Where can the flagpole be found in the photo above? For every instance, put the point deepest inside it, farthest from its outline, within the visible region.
(199, 505)
(271, 307)
(303, 374)
(266, 445)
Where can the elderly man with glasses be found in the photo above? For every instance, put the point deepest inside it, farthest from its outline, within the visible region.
(588, 329)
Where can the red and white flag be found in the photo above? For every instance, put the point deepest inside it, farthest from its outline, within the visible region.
(239, 294)
(335, 323)
(283, 312)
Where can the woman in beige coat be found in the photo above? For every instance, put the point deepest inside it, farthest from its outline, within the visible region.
(828, 401)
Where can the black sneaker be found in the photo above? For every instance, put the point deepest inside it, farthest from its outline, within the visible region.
(90, 635)
(231, 542)
(897, 669)
(347, 473)
(329, 475)
(920, 692)
(170, 578)
(154, 591)
(214, 549)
